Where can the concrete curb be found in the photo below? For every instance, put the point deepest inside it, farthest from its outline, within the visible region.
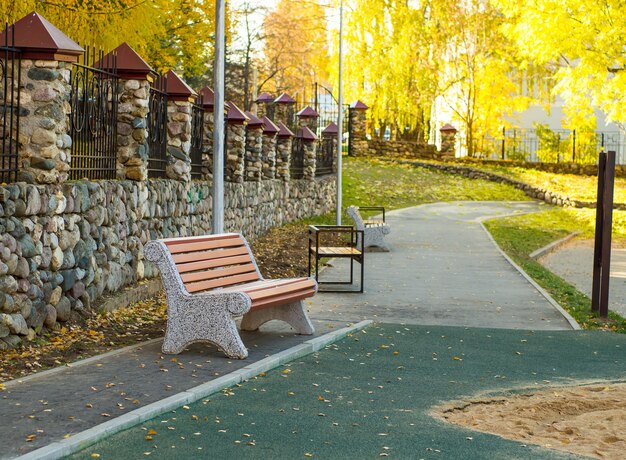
(572, 322)
(552, 246)
(97, 433)
(82, 362)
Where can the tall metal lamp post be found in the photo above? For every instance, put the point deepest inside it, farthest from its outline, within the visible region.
(218, 122)
(340, 117)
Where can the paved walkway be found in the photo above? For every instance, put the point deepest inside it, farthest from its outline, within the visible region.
(574, 263)
(443, 270)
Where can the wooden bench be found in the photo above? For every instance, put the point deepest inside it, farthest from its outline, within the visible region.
(325, 241)
(374, 230)
(210, 280)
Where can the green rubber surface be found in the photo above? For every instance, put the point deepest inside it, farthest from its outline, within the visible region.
(357, 399)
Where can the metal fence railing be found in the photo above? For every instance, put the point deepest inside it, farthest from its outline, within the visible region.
(10, 71)
(93, 100)
(296, 168)
(197, 138)
(325, 156)
(544, 145)
(157, 129)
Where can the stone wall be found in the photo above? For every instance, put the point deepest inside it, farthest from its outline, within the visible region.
(401, 149)
(63, 246)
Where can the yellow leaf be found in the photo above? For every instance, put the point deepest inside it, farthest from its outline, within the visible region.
(396, 352)
(148, 438)
(286, 371)
(456, 358)
(95, 455)
(152, 432)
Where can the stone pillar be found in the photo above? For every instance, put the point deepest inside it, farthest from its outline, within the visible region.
(254, 148)
(132, 125)
(207, 139)
(309, 140)
(44, 150)
(329, 135)
(448, 141)
(268, 156)
(357, 138)
(284, 140)
(308, 117)
(262, 102)
(283, 109)
(235, 144)
(179, 99)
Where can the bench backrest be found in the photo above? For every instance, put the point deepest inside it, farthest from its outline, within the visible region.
(353, 211)
(214, 261)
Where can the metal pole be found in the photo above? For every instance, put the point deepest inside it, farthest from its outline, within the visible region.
(218, 122)
(340, 116)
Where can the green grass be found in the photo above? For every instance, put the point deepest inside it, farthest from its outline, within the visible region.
(519, 236)
(583, 188)
(371, 182)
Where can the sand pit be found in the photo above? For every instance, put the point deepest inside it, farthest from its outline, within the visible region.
(588, 420)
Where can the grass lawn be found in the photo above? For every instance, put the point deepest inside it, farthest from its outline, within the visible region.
(583, 188)
(519, 236)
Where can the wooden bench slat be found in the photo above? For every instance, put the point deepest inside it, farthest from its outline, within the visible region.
(212, 263)
(227, 281)
(188, 239)
(217, 273)
(277, 300)
(327, 250)
(279, 290)
(208, 255)
(204, 245)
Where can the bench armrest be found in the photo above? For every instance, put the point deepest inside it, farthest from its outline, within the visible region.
(316, 232)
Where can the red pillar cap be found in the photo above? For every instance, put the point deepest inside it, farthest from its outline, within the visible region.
(306, 134)
(208, 98)
(177, 89)
(307, 112)
(38, 39)
(129, 64)
(331, 129)
(235, 116)
(269, 127)
(253, 120)
(358, 105)
(283, 131)
(448, 128)
(284, 99)
(264, 98)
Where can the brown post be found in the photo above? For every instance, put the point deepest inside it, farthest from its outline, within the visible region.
(604, 227)
(357, 136)
(135, 76)
(179, 99)
(44, 150)
(235, 147)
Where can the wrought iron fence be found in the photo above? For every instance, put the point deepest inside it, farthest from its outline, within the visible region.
(296, 169)
(157, 129)
(10, 72)
(543, 145)
(197, 138)
(93, 100)
(325, 156)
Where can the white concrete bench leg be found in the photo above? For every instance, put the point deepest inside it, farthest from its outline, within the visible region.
(292, 313)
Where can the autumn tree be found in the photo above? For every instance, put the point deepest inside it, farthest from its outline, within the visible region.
(585, 43)
(169, 34)
(296, 47)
